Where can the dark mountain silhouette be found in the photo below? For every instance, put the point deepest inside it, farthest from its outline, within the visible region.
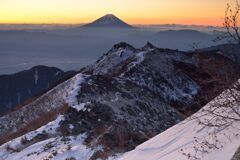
(19, 87)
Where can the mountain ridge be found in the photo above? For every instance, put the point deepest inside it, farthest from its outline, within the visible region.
(126, 97)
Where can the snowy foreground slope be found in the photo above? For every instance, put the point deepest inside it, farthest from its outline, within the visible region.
(186, 139)
(52, 148)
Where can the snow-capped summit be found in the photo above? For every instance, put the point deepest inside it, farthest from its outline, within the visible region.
(109, 20)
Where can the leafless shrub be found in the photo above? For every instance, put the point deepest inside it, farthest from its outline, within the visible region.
(24, 140)
(230, 23)
(48, 146)
(223, 111)
(71, 158)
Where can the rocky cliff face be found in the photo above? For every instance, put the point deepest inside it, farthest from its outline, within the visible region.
(120, 101)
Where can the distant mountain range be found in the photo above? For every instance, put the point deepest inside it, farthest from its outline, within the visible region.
(78, 43)
(183, 34)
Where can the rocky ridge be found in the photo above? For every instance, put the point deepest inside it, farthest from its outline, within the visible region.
(126, 97)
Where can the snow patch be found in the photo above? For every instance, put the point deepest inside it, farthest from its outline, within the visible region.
(36, 76)
(18, 98)
(57, 73)
(79, 107)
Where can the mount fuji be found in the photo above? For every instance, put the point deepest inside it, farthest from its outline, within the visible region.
(109, 20)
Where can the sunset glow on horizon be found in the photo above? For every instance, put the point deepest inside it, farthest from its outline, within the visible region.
(199, 12)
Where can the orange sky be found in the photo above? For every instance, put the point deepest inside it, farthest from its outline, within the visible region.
(203, 12)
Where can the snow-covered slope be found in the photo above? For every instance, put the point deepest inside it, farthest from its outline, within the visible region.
(42, 110)
(54, 147)
(191, 139)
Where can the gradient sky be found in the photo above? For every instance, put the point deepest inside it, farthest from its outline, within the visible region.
(203, 12)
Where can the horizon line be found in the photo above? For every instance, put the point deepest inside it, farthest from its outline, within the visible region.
(136, 24)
